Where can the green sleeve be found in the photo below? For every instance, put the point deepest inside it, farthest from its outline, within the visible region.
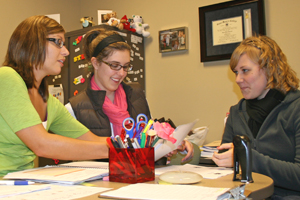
(16, 109)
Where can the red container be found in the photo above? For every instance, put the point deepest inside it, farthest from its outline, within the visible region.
(131, 165)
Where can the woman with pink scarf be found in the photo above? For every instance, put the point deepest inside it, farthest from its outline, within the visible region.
(107, 100)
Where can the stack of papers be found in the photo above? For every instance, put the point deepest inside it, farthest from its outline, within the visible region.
(208, 152)
(69, 173)
(48, 192)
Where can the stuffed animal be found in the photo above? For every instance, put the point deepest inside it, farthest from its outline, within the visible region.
(86, 21)
(138, 25)
(112, 20)
(126, 24)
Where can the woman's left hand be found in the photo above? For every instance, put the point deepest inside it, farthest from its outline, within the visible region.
(184, 146)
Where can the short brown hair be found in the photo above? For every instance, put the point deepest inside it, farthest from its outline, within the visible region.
(27, 48)
(267, 54)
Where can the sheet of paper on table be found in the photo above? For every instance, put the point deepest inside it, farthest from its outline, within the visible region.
(69, 173)
(48, 192)
(169, 192)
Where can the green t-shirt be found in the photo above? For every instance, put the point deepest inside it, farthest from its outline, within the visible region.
(17, 113)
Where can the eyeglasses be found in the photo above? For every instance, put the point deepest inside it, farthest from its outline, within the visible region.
(117, 67)
(58, 42)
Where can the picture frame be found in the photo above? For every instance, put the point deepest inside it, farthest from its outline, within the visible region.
(223, 26)
(101, 13)
(174, 39)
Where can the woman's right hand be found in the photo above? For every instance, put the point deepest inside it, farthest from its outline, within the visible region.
(224, 159)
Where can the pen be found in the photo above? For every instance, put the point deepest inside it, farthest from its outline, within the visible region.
(121, 144)
(16, 182)
(129, 142)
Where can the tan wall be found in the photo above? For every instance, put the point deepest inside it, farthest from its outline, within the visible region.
(178, 85)
(12, 12)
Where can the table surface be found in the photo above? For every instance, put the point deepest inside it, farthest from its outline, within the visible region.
(261, 188)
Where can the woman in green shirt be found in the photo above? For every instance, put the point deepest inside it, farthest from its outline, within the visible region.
(27, 111)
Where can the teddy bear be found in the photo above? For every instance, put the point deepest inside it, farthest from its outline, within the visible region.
(138, 25)
(126, 24)
(112, 20)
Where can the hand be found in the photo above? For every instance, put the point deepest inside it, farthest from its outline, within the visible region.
(224, 159)
(184, 146)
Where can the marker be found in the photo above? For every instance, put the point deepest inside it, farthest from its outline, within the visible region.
(16, 182)
(143, 139)
(155, 141)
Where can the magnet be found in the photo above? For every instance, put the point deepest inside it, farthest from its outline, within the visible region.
(76, 92)
(82, 80)
(75, 81)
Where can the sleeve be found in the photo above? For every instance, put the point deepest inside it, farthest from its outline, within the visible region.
(228, 131)
(62, 122)
(15, 105)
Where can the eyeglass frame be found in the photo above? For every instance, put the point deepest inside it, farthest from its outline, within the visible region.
(129, 68)
(56, 41)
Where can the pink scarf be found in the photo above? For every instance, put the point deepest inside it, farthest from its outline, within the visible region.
(116, 111)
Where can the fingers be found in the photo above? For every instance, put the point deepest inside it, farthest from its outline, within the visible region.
(225, 146)
(182, 146)
(190, 151)
(223, 159)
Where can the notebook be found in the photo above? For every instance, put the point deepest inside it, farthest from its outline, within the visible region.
(68, 173)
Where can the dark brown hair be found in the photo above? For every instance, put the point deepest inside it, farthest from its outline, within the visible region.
(27, 48)
(94, 37)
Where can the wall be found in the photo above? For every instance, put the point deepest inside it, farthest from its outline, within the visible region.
(178, 85)
(13, 12)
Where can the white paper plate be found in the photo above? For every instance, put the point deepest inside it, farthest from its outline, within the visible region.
(181, 177)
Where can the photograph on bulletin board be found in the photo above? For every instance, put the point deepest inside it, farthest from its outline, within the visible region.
(173, 39)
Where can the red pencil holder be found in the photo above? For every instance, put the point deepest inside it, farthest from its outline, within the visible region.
(131, 165)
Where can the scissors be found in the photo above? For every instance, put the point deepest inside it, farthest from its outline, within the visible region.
(142, 121)
(129, 130)
(141, 117)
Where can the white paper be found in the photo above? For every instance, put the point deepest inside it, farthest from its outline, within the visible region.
(164, 147)
(60, 174)
(168, 192)
(205, 172)
(227, 31)
(49, 192)
(57, 91)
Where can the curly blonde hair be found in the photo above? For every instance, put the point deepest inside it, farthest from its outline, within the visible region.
(267, 54)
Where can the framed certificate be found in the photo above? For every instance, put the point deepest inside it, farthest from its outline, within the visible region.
(223, 26)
